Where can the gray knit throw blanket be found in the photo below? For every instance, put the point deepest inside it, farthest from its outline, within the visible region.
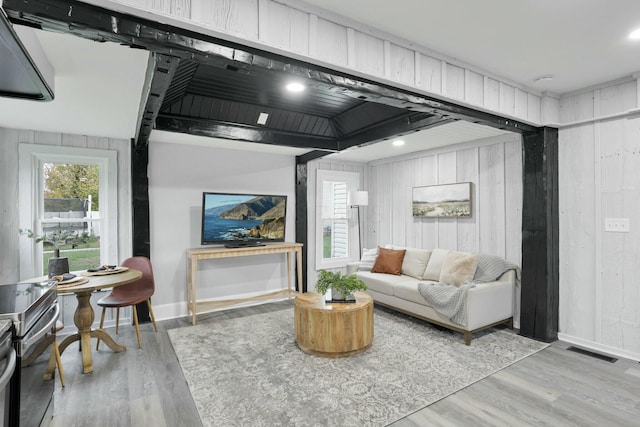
(451, 301)
(490, 267)
(448, 300)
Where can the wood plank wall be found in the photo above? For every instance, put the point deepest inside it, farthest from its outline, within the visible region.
(599, 178)
(303, 31)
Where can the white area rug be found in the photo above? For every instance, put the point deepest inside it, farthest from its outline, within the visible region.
(249, 371)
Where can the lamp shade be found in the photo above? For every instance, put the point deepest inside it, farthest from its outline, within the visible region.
(358, 198)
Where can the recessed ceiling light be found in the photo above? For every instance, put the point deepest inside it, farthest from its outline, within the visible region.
(295, 87)
(398, 142)
(262, 118)
(635, 34)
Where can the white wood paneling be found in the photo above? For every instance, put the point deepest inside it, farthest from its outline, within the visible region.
(382, 186)
(390, 180)
(447, 227)
(474, 88)
(237, 17)
(455, 82)
(618, 98)
(578, 229)
(402, 64)
(467, 171)
(577, 107)
(491, 94)
(430, 75)
(331, 42)
(599, 162)
(291, 34)
(507, 99)
(522, 104)
(620, 164)
(9, 215)
(400, 201)
(534, 107)
(491, 192)
(427, 228)
(368, 54)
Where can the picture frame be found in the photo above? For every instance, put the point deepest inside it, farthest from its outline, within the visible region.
(442, 201)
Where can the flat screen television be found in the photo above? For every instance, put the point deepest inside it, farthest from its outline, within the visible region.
(237, 220)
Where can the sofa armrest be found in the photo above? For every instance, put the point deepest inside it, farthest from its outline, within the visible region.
(352, 267)
(491, 302)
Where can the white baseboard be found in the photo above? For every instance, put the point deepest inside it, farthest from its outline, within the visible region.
(179, 309)
(599, 348)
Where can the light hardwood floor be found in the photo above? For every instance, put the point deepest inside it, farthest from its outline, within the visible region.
(145, 387)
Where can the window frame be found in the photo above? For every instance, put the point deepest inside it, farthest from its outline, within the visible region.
(353, 182)
(32, 157)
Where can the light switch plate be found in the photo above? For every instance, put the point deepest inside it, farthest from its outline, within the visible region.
(616, 225)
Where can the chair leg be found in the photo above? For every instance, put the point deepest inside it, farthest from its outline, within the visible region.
(101, 325)
(153, 318)
(56, 351)
(117, 319)
(135, 319)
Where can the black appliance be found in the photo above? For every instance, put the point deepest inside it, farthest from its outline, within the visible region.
(33, 310)
(7, 367)
(19, 74)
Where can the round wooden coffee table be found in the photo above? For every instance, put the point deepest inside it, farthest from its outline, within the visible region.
(333, 329)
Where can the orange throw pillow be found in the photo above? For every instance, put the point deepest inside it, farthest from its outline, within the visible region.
(389, 261)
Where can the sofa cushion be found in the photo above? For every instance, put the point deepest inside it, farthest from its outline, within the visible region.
(434, 266)
(389, 261)
(368, 259)
(380, 282)
(415, 261)
(458, 267)
(408, 290)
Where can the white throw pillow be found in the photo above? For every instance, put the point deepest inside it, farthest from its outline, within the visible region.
(458, 267)
(432, 272)
(368, 259)
(415, 262)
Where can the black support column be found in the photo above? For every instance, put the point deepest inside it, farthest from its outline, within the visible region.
(301, 219)
(540, 259)
(140, 207)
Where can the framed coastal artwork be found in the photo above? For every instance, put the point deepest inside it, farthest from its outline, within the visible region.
(448, 200)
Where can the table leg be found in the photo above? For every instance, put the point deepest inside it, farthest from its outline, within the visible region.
(192, 276)
(83, 319)
(299, 259)
(289, 256)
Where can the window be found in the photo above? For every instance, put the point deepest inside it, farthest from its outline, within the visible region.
(336, 225)
(69, 195)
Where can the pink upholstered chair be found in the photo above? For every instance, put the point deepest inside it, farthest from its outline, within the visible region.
(131, 294)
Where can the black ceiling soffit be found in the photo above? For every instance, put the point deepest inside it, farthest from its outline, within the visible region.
(210, 87)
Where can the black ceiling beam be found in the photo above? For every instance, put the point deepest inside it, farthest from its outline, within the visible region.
(238, 132)
(392, 128)
(159, 77)
(102, 24)
(311, 155)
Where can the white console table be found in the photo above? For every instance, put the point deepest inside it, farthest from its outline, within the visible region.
(196, 254)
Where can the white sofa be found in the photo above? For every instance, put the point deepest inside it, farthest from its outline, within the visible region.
(487, 304)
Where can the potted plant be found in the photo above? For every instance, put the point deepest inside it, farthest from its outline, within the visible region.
(57, 264)
(342, 285)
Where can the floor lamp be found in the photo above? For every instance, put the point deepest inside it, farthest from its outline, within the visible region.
(355, 199)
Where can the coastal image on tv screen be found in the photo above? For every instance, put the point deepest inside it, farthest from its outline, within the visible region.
(229, 217)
